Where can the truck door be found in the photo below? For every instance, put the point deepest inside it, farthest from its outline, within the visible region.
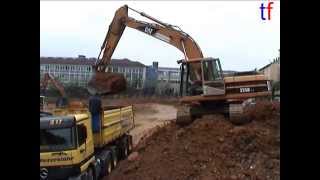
(82, 137)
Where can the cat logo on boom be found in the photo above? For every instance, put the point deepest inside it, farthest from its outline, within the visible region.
(148, 30)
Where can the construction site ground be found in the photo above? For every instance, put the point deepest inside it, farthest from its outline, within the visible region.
(211, 148)
(208, 149)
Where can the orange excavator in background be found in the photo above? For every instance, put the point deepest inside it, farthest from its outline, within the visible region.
(203, 87)
(48, 78)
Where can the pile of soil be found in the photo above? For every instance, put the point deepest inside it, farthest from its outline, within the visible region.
(107, 83)
(210, 148)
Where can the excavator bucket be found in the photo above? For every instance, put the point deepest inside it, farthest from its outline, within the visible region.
(106, 83)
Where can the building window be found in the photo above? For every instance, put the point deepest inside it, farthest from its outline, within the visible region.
(115, 69)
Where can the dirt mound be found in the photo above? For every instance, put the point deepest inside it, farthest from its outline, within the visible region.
(107, 83)
(210, 148)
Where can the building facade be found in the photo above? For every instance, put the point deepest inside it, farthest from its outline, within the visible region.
(151, 78)
(162, 80)
(78, 71)
(272, 70)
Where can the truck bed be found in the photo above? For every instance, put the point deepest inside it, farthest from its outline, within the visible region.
(116, 121)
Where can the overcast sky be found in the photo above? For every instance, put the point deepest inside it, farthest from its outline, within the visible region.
(232, 31)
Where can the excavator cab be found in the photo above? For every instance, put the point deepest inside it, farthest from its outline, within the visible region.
(212, 82)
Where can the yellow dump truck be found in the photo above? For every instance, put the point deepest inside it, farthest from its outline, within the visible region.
(70, 150)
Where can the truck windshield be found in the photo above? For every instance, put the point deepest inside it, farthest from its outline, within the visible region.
(56, 139)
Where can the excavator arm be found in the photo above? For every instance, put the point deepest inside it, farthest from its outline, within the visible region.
(49, 78)
(170, 34)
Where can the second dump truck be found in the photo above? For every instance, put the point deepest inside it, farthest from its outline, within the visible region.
(70, 150)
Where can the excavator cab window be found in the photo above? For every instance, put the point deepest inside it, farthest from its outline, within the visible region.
(213, 83)
(187, 86)
(211, 70)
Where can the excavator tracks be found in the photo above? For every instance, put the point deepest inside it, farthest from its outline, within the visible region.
(234, 111)
(184, 116)
(237, 115)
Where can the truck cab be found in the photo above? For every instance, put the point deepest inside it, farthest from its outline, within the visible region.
(66, 146)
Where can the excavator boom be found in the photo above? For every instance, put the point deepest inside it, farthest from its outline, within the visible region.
(170, 34)
(49, 78)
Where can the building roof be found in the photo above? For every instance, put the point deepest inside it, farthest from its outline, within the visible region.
(264, 67)
(126, 62)
(168, 69)
(228, 72)
(88, 61)
(275, 61)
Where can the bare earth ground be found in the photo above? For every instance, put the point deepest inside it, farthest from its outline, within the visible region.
(150, 115)
(210, 148)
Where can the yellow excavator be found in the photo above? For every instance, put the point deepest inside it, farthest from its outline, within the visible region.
(62, 101)
(203, 87)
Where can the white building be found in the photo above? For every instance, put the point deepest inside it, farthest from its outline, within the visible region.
(169, 78)
(78, 71)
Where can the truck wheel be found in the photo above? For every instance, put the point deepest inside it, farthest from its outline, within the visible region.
(124, 148)
(130, 146)
(90, 175)
(114, 156)
(109, 166)
(125, 151)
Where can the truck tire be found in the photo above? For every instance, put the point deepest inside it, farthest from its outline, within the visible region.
(125, 150)
(108, 165)
(130, 144)
(114, 156)
(123, 147)
(90, 175)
